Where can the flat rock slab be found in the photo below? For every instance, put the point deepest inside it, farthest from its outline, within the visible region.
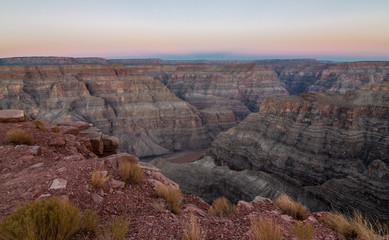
(12, 115)
(59, 183)
(80, 125)
(33, 150)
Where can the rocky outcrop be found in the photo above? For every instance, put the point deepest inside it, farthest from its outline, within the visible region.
(335, 146)
(333, 77)
(146, 117)
(209, 181)
(246, 83)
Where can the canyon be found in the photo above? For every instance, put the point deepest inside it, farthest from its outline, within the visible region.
(326, 147)
(327, 150)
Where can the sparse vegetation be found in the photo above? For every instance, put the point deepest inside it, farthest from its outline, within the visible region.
(354, 227)
(38, 124)
(292, 208)
(51, 218)
(117, 230)
(222, 207)
(172, 196)
(192, 231)
(55, 129)
(98, 179)
(19, 136)
(90, 221)
(130, 172)
(262, 229)
(303, 231)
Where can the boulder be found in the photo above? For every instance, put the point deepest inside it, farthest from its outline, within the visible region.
(12, 115)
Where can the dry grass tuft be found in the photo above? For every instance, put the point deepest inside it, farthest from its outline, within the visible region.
(192, 231)
(292, 208)
(38, 124)
(262, 229)
(55, 129)
(130, 172)
(354, 227)
(222, 207)
(172, 196)
(98, 179)
(90, 220)
(51, 218)
(117, 230)
(19, 136)
(303, 231)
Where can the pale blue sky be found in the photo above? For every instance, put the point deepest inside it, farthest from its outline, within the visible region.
(146, 28)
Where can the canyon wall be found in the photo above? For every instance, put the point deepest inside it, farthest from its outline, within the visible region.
(142, 112)
(332, 77)
(241, 88)
(335, 146)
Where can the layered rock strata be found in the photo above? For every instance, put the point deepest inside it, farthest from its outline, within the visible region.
(245, 83)
(335, 146)
(142, 112)
(333, 77)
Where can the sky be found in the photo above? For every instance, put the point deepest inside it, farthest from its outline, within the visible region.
(193, 29)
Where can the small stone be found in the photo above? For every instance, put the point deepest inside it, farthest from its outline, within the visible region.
(104, 173)
(69, 130)
(117, 184)
(119, 192)
(311, 219)
(61, 170)
(33, 150)
(97, 198)
(72, 158)
(286, 218)
(37, 165)
(58, 183)
(44, 195)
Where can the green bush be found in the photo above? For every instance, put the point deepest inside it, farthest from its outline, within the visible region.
(90, 220)
(117, 230)
(51, 218)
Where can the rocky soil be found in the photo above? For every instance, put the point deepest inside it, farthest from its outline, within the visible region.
(60, 164)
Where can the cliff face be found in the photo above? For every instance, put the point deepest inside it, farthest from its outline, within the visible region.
(237, 87)
(334, 146)
(334, 77)
(142, 112)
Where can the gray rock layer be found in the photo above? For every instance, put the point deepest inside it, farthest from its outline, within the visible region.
(336, 146)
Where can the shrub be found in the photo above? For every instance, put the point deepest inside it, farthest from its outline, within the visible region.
(38, 124)
(222, 207)
(90, 221)
(117, 230)
(19, 136)
(192, 231)
(262, 229)
(55, 128)
(130, 172)
(51, 218)
(172, 196)
(98, 179)
(354, 227)
(303, 231)
(292, 208)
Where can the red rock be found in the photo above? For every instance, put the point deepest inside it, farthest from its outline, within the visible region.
(57, 141)
(117, 184)
(80, 125)
(69, 130)
(113, 160)
(12, 115)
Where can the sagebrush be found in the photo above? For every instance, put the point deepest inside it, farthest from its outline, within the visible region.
(130, 172)
(98, 179)
(172, 196)
(292, 208)
(222, 207)
(265, 229)
(19, 136)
